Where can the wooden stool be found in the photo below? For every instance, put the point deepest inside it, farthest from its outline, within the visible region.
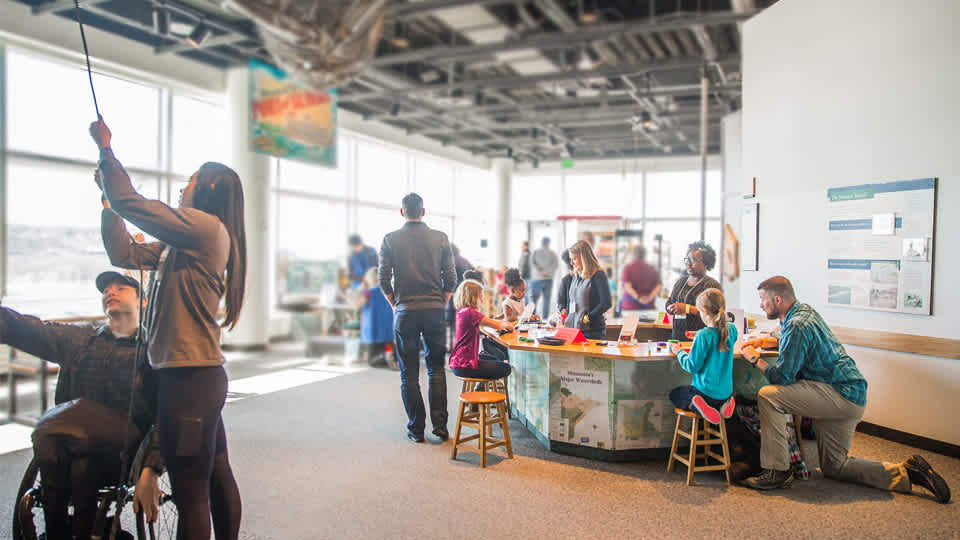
(700, 438)
(483, 421)
(794, 423)
(490, 385)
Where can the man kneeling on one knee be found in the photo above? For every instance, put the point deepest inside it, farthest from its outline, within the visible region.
(816, 378)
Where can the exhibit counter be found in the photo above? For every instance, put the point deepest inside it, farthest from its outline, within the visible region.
(604, 402)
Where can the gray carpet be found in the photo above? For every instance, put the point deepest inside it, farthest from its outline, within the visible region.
(331, 460)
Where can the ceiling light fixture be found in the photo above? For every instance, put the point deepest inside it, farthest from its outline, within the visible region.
(200, 33)
(647, 121)
(478, 98)
(161, 21)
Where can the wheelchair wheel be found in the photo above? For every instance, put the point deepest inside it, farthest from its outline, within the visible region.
(167, 518)
(27, 513)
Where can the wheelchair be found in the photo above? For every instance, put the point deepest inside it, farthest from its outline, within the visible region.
(111, 522)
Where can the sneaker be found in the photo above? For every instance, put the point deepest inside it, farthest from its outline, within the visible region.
(728, 407)
(770, 479)
(709, 413)
(441, 433)
(414, 437)
(922, 474)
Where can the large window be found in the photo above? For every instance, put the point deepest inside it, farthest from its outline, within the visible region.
(53, 247)
(381, 174)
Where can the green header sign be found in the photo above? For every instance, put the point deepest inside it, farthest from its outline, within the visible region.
(567, 163)
(851, 194)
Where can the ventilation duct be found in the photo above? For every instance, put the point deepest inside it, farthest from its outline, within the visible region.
(321, 43)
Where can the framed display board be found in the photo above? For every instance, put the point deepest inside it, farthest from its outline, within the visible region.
(880, 246)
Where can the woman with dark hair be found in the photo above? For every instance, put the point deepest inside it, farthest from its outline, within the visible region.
(200, 258)
(589, 295)
(683, 299)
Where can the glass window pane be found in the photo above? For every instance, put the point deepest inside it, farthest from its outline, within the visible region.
(199, 134)
(468, 234)
(536, 197)
(714, 193)
(54, 248)
(309, 231)
(381, 174)
(36, 100)
(301, 176)
(673, 194)
(374, 223)
(433, 180)
(596, 195)
(476, 192)
(677, 235)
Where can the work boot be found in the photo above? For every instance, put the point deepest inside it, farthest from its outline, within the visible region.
(923, 475)
(770, 479)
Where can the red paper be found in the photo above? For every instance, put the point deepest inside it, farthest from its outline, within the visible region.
(570, 335)
(666, 318)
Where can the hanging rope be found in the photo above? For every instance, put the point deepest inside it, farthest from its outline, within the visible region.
(86, 54)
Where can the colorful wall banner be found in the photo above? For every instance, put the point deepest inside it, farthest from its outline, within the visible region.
(289, 120)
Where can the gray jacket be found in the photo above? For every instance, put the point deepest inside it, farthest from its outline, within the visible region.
(416, 267)
(182, 328)
(545, 263)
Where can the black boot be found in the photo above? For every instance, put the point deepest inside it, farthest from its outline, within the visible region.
(770, 479)
(923, 475)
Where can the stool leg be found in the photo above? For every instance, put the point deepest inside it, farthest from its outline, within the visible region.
(796, 430)
(456, 433)
(694, 435)
(506, 430)
(726, 451)
(506, 393)
(483, 436)
(673, 447)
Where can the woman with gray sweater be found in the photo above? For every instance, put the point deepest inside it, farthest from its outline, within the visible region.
(199, 258)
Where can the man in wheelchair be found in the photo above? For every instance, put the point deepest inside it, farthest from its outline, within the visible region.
(78, 443)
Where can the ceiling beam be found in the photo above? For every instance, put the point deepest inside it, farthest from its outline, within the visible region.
(60, 5)
(419, 9)
(559, 40)
(532, 81)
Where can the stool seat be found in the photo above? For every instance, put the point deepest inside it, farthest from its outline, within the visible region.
(702, 436)
(481, 398)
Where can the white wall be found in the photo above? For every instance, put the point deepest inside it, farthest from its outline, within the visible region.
(844, 93)
(731, 143)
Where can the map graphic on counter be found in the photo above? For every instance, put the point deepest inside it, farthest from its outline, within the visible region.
(880, 245)
(579, 397)
(639, 423)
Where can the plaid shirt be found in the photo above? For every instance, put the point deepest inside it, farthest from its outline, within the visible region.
(810, 351)
(94, 364)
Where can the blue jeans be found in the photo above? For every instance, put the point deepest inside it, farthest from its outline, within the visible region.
(487, 368)
(682, 396)
(538, 288)
(408, 326)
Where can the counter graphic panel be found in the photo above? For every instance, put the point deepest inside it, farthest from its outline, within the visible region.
(580, 400)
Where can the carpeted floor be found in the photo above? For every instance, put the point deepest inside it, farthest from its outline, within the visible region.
(331, 460)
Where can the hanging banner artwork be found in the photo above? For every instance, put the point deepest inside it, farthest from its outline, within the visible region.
(289, 120)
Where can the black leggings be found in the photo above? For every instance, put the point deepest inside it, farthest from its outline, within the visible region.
(194, 445)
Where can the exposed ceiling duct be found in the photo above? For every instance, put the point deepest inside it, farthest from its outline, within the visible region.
(321, 43)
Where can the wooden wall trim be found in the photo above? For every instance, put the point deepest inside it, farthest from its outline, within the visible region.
(891, 341)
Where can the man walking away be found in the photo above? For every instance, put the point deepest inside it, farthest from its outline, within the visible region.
(417, 276)
(545, 262)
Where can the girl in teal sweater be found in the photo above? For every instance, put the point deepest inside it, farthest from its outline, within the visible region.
(710, 361)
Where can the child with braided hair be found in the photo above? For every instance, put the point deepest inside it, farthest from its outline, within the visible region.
(710, 361)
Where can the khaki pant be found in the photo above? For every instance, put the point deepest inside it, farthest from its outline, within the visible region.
(834, 421)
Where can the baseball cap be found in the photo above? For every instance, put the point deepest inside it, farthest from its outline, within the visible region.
(108, 277)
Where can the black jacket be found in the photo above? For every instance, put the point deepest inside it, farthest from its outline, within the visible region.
(416, 267)
(94, 364)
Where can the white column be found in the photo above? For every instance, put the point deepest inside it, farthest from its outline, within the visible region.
(502, 169)
(253, 327)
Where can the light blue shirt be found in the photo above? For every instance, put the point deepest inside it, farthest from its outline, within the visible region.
(712, 369)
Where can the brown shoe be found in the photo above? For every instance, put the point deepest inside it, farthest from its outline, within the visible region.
(922, 474)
